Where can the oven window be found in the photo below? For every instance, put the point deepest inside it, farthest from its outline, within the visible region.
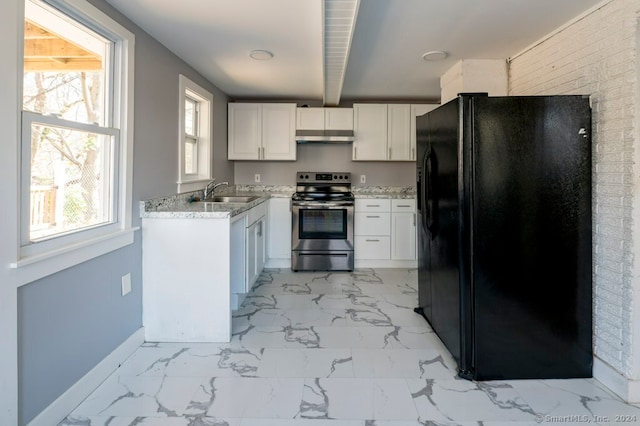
(323, 224)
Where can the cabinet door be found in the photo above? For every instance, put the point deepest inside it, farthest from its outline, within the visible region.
(416, 111)
(370, 131)
(251, 257)
(310, 118)
(278, 132)
(280, 228)
(338, 118)
(244, 131)
(261, 241)
(403, 236)
(399, 132)
(238, 256)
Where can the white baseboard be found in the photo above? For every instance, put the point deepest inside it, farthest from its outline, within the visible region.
(79, 391)
(359, 263)
(627, 389)
(278, 264)
(404, 264)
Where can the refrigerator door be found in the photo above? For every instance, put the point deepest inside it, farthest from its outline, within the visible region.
(424, 241)
(440, 223)
(531, 236)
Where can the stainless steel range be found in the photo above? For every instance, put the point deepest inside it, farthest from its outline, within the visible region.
(322, 238)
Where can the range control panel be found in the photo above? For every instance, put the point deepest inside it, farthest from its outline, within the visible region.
(323, 177)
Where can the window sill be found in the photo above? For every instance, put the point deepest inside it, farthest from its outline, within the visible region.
(33, 268)
(194, 180)
(192, 185)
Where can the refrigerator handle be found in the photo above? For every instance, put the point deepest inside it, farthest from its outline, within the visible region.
(430, 203)
(426, 190)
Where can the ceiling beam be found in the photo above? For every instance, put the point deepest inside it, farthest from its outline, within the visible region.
(339, 22)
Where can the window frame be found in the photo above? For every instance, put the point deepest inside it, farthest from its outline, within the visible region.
(39, 259)
(204, 138)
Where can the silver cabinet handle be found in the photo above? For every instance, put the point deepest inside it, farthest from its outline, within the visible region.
(373, 217)
(372, 241)
(413, 153)
(355, 152)
(373, 205)
(414, 219)
(404, 205)
(389, 153)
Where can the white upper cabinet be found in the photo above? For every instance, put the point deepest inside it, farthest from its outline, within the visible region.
(324, 119)
(278, 132)
(245, 131)
(416, 111)
(338, 118)
(399, 132)
(370, 132)
(262, 131)
(310, 118)
(386, 132)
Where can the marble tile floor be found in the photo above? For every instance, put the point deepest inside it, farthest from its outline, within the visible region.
(331, 349)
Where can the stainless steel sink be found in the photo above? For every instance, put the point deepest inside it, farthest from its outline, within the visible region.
(230, 199)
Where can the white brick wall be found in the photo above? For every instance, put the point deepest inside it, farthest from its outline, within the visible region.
(597, 55)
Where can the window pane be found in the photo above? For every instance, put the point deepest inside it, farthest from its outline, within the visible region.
(71, 180)
(190, 156)
(65, 66)
(190, 127)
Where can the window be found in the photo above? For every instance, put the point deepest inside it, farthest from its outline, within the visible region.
(195, 131)
(77, 124)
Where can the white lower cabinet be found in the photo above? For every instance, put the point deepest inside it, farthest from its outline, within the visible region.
(403, 229)
(196, 271)
(238, 259)
(248, 252)
(385, 232)
(255, 252)
(279, 235)
(372, 229)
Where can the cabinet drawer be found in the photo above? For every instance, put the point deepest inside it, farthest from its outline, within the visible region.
(404, 205)
(367, 247)
(373, 205)
(372, 223)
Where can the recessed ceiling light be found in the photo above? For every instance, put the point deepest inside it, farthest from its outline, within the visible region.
(435, 55)
(261, 55)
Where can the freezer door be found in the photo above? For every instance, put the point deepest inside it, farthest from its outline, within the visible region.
(440, 222)
(532, 237)
(425, 302)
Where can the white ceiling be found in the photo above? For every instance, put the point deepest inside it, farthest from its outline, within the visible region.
(385, 58)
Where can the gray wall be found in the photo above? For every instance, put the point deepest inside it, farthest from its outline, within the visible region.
(321, 157)
(68, 322)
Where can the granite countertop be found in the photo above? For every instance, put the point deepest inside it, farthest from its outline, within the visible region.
(390, 192)
(181, 206)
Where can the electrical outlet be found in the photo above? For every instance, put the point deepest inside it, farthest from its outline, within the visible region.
(256, 177)
(363, 178)
(126, 284)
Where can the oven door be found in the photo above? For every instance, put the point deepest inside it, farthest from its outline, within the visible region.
(322, 226)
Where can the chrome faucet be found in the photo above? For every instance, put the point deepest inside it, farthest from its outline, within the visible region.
(210, 188)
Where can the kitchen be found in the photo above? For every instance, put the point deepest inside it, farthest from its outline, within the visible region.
(47, 310)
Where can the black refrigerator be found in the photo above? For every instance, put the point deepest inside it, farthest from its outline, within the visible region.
(504, 236)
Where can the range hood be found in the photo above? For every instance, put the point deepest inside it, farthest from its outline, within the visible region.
(324, 136)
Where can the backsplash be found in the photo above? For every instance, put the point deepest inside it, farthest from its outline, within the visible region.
(332, 158)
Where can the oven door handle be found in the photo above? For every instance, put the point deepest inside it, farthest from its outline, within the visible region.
(323, 205)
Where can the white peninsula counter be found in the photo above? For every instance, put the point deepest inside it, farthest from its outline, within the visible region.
(198, 258)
